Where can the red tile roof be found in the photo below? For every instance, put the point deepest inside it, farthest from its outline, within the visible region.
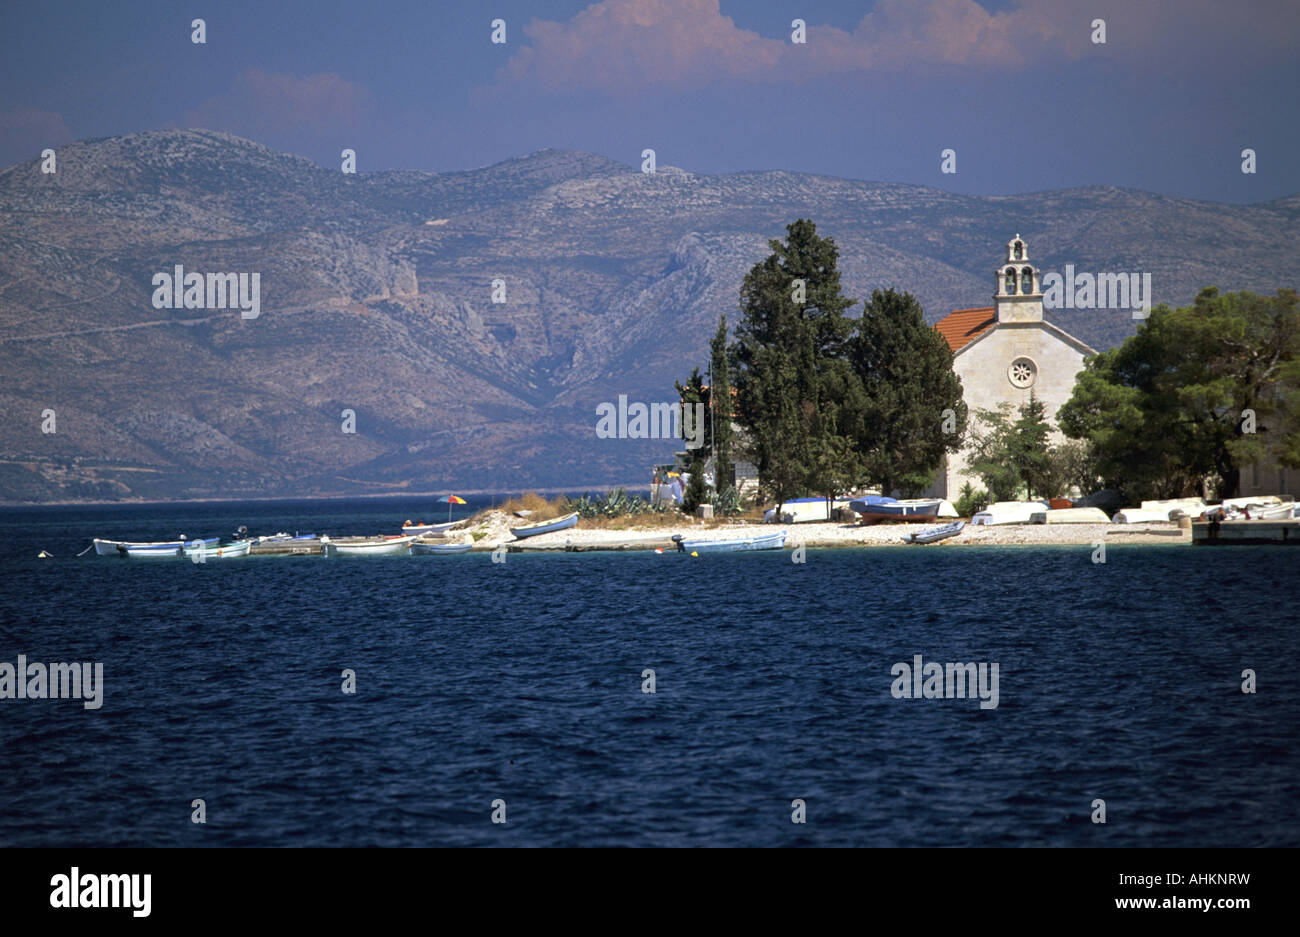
(963, 326)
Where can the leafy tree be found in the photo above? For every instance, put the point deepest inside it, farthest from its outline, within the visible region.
(970, 501)
(789, 355)
(697, 492)
(907, 402)
(993, 453)
(1011, 457)
(1198, 393)
(1031, 449)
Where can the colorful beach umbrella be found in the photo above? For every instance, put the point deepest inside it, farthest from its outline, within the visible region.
(450, 500)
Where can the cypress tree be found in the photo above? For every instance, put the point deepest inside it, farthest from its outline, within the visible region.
(909, 411)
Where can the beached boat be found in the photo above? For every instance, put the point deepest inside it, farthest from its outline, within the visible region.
(421, 529)
(805, 511)
(157, 549)
(389, 546)
(1008, 512)
(946, 509)
(546, 527)
(1252, 502)
(1070, 516)
(911, 510)
(772, 541)
(1174, 507)
(935, 534)
(1140, 516)
(439, 549)
(865, 504)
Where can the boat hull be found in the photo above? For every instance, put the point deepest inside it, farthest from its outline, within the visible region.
(766, 542)
(162, 549)
(400, 546)
(427, 530)
(546, 527)
(912, 511)
(935, 534)
(223, 551)
(439, 549)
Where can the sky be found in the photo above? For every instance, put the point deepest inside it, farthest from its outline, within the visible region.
(1018, 89)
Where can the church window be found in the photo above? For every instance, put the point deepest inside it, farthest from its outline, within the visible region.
(1022, 373)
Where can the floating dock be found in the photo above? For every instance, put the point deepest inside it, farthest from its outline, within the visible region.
(1246, 533)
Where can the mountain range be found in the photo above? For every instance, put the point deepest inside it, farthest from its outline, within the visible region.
(377, 297)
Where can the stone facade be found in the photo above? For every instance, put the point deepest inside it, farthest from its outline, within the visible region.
(1005, 353)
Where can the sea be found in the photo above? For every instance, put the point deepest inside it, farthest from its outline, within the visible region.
(641, 699)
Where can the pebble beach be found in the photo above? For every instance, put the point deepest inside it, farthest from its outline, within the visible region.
(493, 531)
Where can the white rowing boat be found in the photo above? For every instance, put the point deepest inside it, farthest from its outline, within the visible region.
(392, 546)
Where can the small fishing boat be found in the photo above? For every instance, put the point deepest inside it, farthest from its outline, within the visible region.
(421, 529)
(388, 546)
(161, 549)
(935, 534)
(439, 549)
(772, 541)
(911, 510)
(546, 527)
(220, 551)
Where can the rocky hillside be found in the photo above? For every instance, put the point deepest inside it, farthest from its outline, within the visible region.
(376, 297)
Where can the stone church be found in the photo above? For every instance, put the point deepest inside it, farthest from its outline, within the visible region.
(1005, 352)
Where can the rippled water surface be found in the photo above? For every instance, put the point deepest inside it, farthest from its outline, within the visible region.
(522, 682)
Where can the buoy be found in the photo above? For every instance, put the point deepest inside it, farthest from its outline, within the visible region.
(659, 549)
(693, 553)
(44, 556)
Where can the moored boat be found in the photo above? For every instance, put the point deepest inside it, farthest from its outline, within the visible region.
(158, 549)
(219, 551)
(389, 546)
(546, 527)
(439, 549)
(772, 541)
(935, 534)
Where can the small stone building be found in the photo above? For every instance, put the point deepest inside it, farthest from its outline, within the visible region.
(1005, 352)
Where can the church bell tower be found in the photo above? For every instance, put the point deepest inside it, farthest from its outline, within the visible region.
(1019, 296)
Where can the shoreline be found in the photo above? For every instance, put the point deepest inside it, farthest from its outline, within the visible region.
(816, 535)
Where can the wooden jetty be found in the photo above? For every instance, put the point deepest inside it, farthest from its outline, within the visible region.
(1246, 533)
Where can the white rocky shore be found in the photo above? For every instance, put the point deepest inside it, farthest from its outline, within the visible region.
(493, 529)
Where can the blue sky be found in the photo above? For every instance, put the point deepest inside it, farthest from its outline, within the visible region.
(1017, 89)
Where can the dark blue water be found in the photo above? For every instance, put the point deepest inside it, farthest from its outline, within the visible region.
(522, 682)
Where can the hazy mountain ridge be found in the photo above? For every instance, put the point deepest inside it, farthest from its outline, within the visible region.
(376, 298)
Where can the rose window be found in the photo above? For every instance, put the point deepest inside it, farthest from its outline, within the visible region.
(1022, 372)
